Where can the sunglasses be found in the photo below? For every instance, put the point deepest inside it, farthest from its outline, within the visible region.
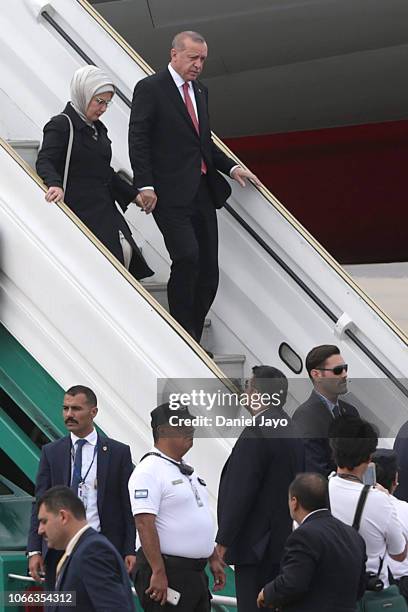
(337, 370)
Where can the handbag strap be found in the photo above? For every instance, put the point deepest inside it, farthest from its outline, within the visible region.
(69, 151)
(360, 507)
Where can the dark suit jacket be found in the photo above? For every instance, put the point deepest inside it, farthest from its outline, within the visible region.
(114, 468)
(312, 420)
(96, 572)
(93, 186)
(323, 568)
(253, 515)
(165, 149)
(401, 448)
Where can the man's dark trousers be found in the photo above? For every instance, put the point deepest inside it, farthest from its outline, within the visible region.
(186, 576)
(191, 237)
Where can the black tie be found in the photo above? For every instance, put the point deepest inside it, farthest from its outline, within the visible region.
(76, 475)
(336, 411)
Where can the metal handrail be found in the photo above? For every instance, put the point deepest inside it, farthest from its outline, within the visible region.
(19, 577)
(220, 600)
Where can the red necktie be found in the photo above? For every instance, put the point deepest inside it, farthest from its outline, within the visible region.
(194, 119)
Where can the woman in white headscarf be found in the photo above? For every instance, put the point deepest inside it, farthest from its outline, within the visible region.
(92, 186)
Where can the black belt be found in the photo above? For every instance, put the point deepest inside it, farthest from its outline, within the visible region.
(185, 563)
(173, 561)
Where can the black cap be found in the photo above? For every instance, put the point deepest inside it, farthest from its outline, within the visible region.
(161, 415)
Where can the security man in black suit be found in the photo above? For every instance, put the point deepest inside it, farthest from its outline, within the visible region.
(98, 469)
(253, 515)
(401, 449)
(323, 566)
(328, 373)
(175, 166)
(90, 567)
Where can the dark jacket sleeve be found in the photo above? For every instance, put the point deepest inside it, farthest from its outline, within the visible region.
(99, 571)
(141, 123)
(401, 448)
(42, 484)
(51, 158)
(298, 569)
(317, 451)
(245, 472)
(130, 529)
(122, 191)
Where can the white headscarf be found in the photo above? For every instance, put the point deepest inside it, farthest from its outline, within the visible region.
(87, 82)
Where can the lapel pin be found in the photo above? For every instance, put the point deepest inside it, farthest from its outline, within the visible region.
(105, 448)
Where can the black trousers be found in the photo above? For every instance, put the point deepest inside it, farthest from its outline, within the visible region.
(249, 581)
(187, 576)
(191, 237)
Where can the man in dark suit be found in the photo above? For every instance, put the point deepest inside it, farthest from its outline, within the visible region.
(253, 515)
(90, 567)
(401, 449)
(328, 373)
(97, 469)
(323, 566)
(175, 165)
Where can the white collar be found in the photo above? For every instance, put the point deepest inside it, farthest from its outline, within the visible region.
(313, 512)
(91, 438)
(179, 81)
(326, 400)
(74, 540)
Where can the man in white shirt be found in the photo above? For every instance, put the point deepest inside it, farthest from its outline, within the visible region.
(176, 167)
(97, 469)
(353, 442)
(91, 567)
(386, 464)
(173, 521)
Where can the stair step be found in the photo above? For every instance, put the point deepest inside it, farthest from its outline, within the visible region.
(159, 292)
(231, 365)
(27, 149)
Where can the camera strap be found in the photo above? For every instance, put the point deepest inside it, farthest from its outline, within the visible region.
(358, 514)
(360, 507)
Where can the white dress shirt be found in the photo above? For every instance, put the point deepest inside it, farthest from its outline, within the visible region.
(91, 484)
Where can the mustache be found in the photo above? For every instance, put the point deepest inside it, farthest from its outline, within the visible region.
(70, 420)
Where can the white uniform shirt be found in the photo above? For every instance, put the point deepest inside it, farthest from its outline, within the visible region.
(400, 569)
(90, 488)
(379, 526)
(180, 503)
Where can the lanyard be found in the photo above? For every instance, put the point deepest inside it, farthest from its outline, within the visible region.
(83, 479)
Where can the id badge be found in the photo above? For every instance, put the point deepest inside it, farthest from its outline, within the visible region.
(83, 494)
(197, 496)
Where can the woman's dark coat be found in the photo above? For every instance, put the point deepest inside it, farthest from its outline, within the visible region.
(92, 186)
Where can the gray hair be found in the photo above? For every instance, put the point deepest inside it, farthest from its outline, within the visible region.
(178, 40)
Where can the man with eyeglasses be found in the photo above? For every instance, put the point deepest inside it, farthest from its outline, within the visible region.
(174, 524)
(328, 372)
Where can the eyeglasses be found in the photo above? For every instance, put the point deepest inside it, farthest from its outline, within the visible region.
(103, 102)
(337, 370)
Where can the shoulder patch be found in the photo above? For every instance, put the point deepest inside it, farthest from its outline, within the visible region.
(141, 493)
